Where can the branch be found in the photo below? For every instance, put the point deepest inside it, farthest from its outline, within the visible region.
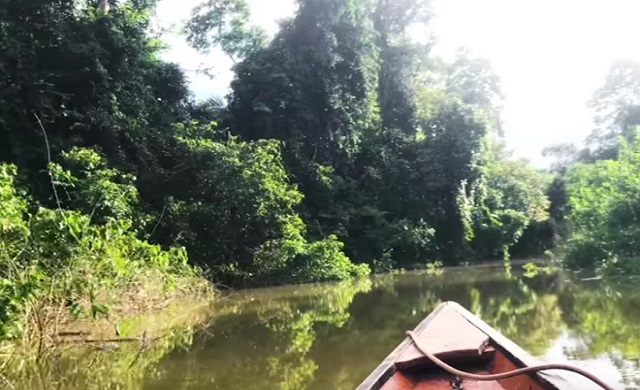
(48, 149)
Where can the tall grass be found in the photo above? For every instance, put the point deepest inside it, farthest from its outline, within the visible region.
(81, 363)
(59, 270)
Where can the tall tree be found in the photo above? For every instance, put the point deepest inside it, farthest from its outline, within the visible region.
(312, 87)
(604, 200)
(617, 110)
(224, 24)
(564, 156)
(454, 138)
(92, 79)
(385, 142)
(399, 59)
(510, 198)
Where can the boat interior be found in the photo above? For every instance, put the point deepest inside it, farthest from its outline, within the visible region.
(435, 378)
(461, 340)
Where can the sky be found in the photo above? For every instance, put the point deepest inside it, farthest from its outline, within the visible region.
(551, 55)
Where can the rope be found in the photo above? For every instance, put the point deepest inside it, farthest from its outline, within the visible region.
(504, 375)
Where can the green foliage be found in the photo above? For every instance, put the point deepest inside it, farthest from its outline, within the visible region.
(93, 188)
(13, 230)
(55, 256)
(325, 261)
(617, 111)
(94, 79)
(605, 198)
(15, 284)
(224, 24)
(234, 204)
(312, 87)
(594, 197)
(342, 139)
(403, 172)
(510, 197)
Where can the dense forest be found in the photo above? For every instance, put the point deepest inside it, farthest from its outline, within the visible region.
(596, 190)
(344, 148)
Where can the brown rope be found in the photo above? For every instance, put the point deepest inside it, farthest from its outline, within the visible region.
(504, 375)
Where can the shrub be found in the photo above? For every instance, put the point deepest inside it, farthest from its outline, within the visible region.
(604, 199)
(53, 257)
(233, 208)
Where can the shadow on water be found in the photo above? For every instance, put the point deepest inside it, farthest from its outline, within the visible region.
(331, 336)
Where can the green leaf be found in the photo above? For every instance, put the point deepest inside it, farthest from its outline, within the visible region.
(99, 309)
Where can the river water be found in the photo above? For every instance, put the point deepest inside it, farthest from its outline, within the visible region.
(332, 336)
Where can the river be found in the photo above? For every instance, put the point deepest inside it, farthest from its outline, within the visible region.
(331, 336)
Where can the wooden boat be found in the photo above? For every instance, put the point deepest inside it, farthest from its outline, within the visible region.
(459, 339)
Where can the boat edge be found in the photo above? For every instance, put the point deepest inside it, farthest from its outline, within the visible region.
(512, 350)
(381, 374)
(386, 369)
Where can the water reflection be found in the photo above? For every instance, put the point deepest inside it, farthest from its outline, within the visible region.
(332, 336)
(106, 365)
(604, 324)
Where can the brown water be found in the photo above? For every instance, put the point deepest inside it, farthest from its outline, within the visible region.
(332, 336)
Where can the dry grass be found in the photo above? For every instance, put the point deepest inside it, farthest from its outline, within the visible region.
(145, 323)
(138, 314)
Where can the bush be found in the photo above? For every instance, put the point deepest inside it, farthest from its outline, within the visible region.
(604, 199)
(510, 198)
(13, 228)
(233, 208)
(54, 257)
(92, 187)
(324, 261)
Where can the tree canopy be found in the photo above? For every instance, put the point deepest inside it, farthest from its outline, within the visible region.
(343, 146)
(594, 194)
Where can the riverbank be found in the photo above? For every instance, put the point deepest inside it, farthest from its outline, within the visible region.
(144, 323)
(68, 276)
(145, 308)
